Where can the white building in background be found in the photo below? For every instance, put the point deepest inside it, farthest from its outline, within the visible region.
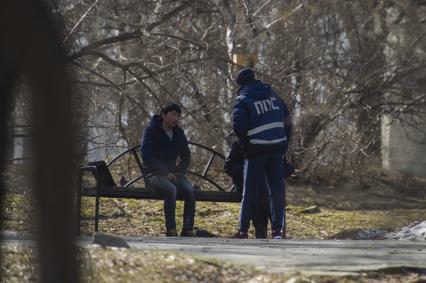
(403, 147)
(403, 140)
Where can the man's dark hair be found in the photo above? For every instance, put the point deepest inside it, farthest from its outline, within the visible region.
(244, 76)
(170, 106)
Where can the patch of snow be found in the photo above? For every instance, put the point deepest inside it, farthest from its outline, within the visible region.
(413, 232)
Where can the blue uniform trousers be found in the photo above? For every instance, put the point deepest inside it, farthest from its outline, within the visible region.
(257, 171)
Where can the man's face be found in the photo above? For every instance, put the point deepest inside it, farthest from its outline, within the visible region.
(171, 119)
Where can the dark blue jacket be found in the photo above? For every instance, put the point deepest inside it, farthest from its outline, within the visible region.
(258, 119)
(160, 154)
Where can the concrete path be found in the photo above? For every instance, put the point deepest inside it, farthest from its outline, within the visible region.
(326, 256)
(287, 255)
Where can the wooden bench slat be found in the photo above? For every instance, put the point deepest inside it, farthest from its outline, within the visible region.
(149, 193)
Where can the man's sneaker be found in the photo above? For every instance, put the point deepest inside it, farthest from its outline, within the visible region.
(171, 233)
(241, 235)
(187, 233)
(277, 234)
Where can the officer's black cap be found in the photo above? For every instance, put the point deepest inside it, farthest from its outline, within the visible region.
(244, 76)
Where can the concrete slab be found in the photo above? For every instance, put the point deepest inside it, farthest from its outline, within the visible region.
(287, 255)
(324, 257)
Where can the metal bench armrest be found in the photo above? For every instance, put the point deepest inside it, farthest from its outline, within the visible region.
(91, 169)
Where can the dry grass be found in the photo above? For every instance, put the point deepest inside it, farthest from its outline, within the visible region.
(343, 212)
(145, 218)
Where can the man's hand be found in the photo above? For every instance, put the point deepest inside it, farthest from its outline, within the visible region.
(172, 177)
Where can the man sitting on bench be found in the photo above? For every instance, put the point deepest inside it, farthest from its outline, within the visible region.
(163, 142)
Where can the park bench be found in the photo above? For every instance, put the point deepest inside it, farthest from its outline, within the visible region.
(106, 187)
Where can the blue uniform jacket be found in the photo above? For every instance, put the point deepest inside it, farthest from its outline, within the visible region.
(160, 154)
(258, 119)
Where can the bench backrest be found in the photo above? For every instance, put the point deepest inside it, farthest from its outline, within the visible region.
(134, 151)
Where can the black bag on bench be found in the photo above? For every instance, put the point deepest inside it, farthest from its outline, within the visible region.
(104, 178)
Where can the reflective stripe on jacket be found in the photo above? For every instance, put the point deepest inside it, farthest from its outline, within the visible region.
(258, 117)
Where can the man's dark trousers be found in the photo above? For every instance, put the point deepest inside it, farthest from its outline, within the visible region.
(170, 190)
(255, 171)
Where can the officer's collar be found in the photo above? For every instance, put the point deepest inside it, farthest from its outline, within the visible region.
(248, 84)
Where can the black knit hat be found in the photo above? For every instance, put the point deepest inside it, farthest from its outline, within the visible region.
(171, 106)
(244, 76)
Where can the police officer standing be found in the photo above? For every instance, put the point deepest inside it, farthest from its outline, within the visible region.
(261, 120)
(234, 167)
